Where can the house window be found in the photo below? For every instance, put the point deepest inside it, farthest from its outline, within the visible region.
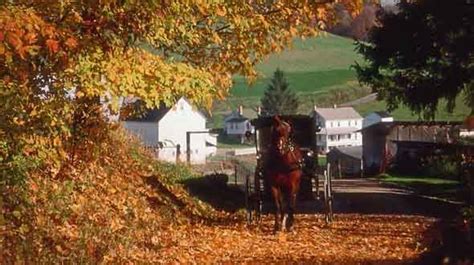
(338, 124)
(349, 136)
(338, 137)
(331, 125)
(355, 123)
(349, 123)
(356, 136)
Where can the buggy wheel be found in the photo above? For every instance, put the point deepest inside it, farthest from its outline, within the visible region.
(258, 201)
(329, 215)
(315, 186)
(328, 197)
(248, 200)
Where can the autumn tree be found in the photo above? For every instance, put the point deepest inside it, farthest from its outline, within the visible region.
(278, 97)
(59, 58)
(421, 56)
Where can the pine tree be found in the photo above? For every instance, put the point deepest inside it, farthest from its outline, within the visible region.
(279, 98)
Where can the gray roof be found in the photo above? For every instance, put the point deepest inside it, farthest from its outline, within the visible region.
(152, 115)
(247, 114)
(352, 151)
(338, 113)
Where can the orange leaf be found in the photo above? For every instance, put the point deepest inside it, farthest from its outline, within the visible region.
(30, 38)
(14, 40)
(53, 45)
(71, 43)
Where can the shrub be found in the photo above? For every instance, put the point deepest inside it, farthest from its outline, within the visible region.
(99, 210)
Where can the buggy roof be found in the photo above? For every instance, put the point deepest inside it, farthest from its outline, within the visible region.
(295, 120)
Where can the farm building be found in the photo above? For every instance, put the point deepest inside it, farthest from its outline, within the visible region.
(176, 133)
(405, 142)
(237, 123)
(345, 161)
(339, 127)
(376, 117)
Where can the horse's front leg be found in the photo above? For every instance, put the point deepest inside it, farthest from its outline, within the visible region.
(277, 199)
(292, 202)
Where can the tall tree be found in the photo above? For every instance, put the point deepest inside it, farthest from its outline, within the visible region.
(279, 98)
(422, 54)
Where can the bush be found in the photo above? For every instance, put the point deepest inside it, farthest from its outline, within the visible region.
(99, 210)
(445, 166)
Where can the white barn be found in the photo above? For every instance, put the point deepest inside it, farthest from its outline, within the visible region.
(339, 127)
(167, 129)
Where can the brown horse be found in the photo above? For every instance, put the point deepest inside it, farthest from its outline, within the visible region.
(283, 172)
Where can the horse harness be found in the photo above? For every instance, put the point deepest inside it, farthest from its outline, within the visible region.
(289, 148)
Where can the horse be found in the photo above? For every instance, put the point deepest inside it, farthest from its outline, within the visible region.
(283, 172)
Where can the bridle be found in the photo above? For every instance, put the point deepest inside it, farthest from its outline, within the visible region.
(288, 147)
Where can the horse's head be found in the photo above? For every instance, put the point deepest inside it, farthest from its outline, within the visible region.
(281, 132)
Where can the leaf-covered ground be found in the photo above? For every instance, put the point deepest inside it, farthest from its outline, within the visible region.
(350, 239)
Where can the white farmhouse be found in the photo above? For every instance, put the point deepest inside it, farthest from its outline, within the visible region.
(169, 130)
(339, 127)
(376, 117)
(236, 124)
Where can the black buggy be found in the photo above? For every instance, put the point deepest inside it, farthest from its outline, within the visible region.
(257, 192)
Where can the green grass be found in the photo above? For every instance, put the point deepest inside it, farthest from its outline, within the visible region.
(322, 160)
(314, 67)
(230, 142)
(403, 113)
(300, 82)
(311, 65)
(429, 186)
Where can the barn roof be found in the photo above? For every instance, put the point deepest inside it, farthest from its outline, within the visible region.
(411, 123)
(152, 115)
(338, 113)
(156, 114)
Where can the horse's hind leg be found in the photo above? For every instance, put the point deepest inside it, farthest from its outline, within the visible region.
(278, 211)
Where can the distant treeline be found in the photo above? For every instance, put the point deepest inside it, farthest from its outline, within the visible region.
(359, 26)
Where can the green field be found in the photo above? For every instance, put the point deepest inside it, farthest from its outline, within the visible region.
(319, 71)
(314, 67)
(311, 65)
(429, 186)
(403, 113)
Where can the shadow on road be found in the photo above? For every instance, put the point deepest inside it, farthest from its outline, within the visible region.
(213, 189)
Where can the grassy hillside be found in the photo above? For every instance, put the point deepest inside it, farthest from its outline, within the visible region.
(319, 71)
(314, 67)
(311, 65)
(403, 113)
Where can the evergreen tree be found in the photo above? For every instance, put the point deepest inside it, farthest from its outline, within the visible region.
(279, 98)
